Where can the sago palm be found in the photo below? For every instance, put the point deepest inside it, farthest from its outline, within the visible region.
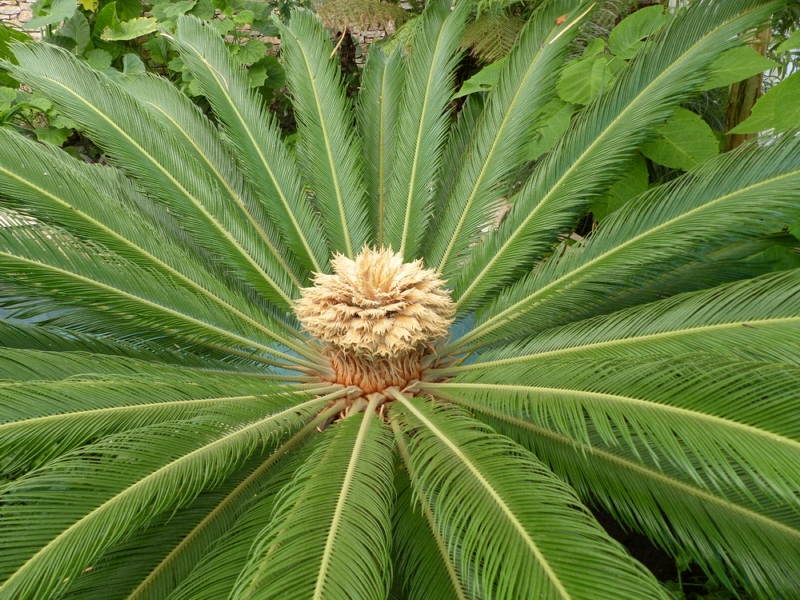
(234, 369)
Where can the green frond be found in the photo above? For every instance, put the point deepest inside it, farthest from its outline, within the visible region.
(733, 540)
(40, 420)
(254, 134)
(492, 35)
(99, 204)
(200, 138)
(166, 467)
(130, 135)
(327, 147)
(736, 197)
(60, 272)
(421, 560)
(499, 137)
(725, 424)
(756, 319)
(331, 527)
(195, 547)
(544, 544)
(377, 112)
(215, 574)
(592, 152)
(423, 122)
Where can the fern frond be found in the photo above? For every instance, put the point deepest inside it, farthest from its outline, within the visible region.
(544, 543)
(733, 198)
(135, 139)
(331, 528)
(422, 121)
(327, 147)
(598, 142)
(733, 540)
(254, 134)
(173, 464)
(492, 35)
(377, 112)
(497, 141)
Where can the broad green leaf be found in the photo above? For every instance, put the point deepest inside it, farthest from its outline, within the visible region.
(244, 18)
(90, 5)
(683, 142)
(268, 72)
(556, 124)
(483, 80)
(168, 12)
(132, 64)
(633, 182)
(790, 43)
(107, 17)
(203, 10)
(76, 28)
(50, 12)
(778, 109)
(99, 59)
(251, 52)
(7, 97)
(52, 135)
(128, 30)
(625, 39)
(735, 65)
(129, 9)
(582, 80)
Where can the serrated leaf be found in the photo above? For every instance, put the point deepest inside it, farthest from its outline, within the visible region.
(169, 11)
(483, 80)
(625, 39)
(245, 17)
(203, 10)
(251, 52)
(128, 30)
(50, 12)
(52, 135)
(778, 109)
(735, 65)
(633, 182)
(223, 27)
(684, 141)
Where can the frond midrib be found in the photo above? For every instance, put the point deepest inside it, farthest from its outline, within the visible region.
(694, 415)
(638, 468)
(505, 509)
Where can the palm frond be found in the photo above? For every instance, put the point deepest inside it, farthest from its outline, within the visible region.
(215, 574)
(135, 140)
(253, 132)
(756, 319)
(99, 204)
(498, 139)
(595, 147)
(377, 112)
(733, 540)
(725, 424)
(168, 466)
(201, 139)
(331, 528)
(737, 197)
(259, 486)
(544, 543)
(423, 122)
(327, 147)
(61, 272)
(423, 564)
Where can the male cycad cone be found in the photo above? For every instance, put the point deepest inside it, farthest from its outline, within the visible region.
(377, 315)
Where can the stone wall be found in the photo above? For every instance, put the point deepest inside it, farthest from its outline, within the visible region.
(15, 13)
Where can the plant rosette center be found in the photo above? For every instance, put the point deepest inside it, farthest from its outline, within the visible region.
(378, 318)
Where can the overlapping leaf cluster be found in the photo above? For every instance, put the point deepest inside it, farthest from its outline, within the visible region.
(167, 431)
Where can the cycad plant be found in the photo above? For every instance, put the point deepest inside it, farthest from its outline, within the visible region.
(231, 369)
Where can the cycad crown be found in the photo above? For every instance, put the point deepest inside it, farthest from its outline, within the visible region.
(205, 393)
